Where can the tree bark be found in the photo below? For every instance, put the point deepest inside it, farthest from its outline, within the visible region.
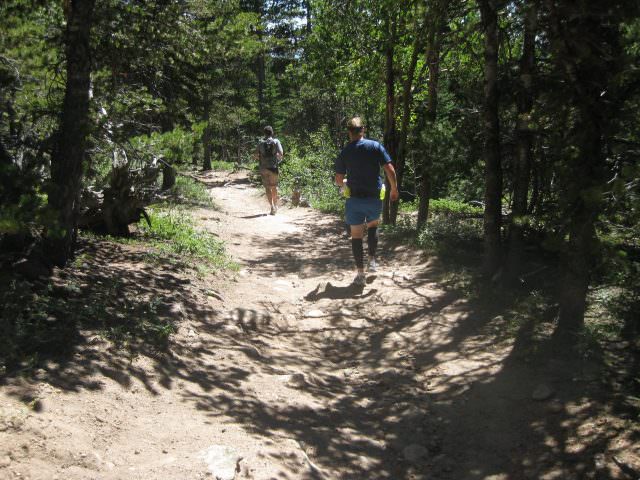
(168, 176)
(68, 156)
(261, 73)
(433, 64)
(308, 15)
(407, 99)
(206, 136)
(491, 150)
(390, 109)
(524, 140)
(586, 171)
(587, 75)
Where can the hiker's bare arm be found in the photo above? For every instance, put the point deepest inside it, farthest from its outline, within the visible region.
(340, 179)
(391, 176)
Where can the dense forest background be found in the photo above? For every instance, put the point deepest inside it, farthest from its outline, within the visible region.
(513, 126)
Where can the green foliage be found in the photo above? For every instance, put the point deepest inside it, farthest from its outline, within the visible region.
(311, 170)
(222, 166)
(172, 231)
(174, 147)
(446, 233)
(190, 191)
(445, 206)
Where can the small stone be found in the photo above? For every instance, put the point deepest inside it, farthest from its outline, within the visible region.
(221, 461)
(136, 452)
(542, 392)
(5, 461)
(413, 453)
(297, 380)
(315, 314)
(164, 450)
(229, 328)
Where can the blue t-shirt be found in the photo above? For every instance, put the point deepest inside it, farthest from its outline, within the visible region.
(361, 161)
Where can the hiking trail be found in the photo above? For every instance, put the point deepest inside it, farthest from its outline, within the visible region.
(285, 370)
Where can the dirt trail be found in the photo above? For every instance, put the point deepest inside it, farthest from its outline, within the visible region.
(288, 371)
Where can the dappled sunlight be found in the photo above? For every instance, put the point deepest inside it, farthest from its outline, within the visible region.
(328, 380)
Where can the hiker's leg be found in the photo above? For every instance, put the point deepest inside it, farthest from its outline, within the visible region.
(357, 232)
(373, 210)
(372, 238)
(266, 182)
(274, 195)
(355, 218)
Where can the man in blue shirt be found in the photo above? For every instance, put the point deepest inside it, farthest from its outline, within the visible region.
(360, 162)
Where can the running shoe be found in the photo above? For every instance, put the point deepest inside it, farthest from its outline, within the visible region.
(373, 265)
(360, 279)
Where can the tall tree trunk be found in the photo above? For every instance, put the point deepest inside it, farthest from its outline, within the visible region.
(69, 154)
(588, 76)
(206, 136)
(524, 139)
(407, 99)
(493, 168)
(390, 110)
(168, 170)
(261, 87)
(433, 63)
(586, 172)
(5, 158)
(261, 71)
(307, 11)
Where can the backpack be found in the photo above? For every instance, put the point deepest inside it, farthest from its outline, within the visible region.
(268, 153)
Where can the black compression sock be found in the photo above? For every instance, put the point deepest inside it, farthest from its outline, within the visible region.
(372, 241)
(358, 252)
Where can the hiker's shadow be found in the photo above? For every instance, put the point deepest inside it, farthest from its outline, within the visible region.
(352, 290)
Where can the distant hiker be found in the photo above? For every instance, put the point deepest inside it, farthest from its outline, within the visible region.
(360, 162)
(269, 153)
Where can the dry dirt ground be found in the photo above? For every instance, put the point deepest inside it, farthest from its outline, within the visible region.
(285, 370)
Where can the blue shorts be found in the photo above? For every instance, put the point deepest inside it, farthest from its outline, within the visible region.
(362, 210)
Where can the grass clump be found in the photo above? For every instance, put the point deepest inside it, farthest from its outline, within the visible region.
(221, 165)
(173, 231)
(191, 192)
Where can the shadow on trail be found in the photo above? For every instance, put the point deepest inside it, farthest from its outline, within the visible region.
(337, 293)
(111, 308)
(419, 383)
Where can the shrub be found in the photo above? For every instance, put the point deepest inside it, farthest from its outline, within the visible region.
(190, 191)
(312, 171)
